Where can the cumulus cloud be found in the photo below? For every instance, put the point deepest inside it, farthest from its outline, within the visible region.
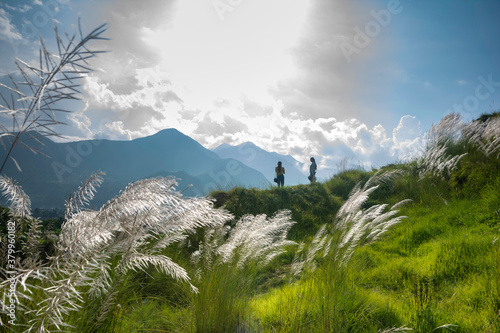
(407, 138)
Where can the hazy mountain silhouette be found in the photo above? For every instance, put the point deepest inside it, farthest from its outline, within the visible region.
(50, 180)
(264, 161)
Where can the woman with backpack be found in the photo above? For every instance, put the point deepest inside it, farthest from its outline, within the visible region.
(280, 175)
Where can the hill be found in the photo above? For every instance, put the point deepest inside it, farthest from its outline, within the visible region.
(265, 162)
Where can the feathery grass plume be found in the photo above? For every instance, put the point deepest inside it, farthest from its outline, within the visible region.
(231, 260)
(31, 244)
(252, 238)
(97, 248)
(28, 229)
(351, 226)
(204, 257)
(141, 221)
(84, 194)
(355, 223)
(381, 177)
(305, 261)
(33, 101)
(485, 135)
(436, 161)
(257, 238)
(19, 202)
(448, 129)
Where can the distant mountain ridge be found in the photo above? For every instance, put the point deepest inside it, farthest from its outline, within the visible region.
(49, 181)
(264, 161)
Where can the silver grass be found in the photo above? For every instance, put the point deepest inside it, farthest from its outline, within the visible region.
(135, 226)
(355, 223)
(401, 203)
(437, 163)
(452, 129)
(33, 103)
(204, 258)
(146, 212)
(382, 177)
(321, 241)
(20, 207)
(435, 160)
(448, 129)
(19, 202)
(46, 295)
(484, 135)
(257, 238)
(108, 304)
(352, 225)
(252, 239)
(84, 194)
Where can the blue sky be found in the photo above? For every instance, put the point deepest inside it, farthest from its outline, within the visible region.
(275, 72)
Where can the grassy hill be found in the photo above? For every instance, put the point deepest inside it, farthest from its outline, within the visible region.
(412, 245)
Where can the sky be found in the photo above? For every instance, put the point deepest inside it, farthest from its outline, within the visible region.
(357, 82)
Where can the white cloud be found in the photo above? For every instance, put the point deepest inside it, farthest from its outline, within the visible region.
(407, 138)
(8, 31)
(408, 128)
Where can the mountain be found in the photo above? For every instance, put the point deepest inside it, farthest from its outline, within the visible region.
(49, 180)
(263, 161)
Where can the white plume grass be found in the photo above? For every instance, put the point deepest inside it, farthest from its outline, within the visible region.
(482, 136)
(252, 239)
(33, 103)
(353, 225)
(19, 202)
(134, 227)
(356, 223)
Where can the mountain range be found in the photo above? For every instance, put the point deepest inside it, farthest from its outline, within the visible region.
(264, 161)
(50, 179)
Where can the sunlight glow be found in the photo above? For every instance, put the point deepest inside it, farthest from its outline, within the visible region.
(245, 53)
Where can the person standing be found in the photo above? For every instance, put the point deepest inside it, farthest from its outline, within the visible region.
(280, 174)
(312, 170)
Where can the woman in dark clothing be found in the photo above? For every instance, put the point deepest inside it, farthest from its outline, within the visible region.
(280, 174)
(312, 170)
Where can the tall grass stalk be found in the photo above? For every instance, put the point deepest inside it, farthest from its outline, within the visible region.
(229, 263)
(34, 100)
(96, 249)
